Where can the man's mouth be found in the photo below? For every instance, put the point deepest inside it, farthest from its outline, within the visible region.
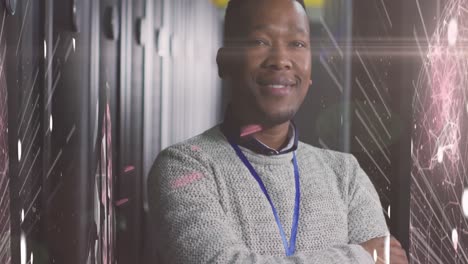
(276, 89)
(277, 86)
(277, 81)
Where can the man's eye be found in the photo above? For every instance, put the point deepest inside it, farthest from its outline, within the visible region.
(298, 44)
(258, 42)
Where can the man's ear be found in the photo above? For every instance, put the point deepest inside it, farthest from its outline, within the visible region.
(222, 61)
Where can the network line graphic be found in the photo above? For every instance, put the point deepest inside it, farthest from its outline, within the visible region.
(439, 146)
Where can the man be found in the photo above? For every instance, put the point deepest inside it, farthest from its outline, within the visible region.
(247, 191)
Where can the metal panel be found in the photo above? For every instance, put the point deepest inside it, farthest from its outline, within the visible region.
(130, 127)
(68, 178)
(5, 231)
(191, 93)
(53, 93)
(24, 67)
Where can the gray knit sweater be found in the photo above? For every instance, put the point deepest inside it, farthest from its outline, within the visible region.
(207, 207)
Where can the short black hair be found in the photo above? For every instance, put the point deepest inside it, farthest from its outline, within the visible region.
(234, 17)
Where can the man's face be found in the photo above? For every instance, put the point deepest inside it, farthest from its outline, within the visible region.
(271, 73)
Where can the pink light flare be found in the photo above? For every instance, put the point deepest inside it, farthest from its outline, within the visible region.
(195, 148)
(121, 202)
(186, 180)
(250, 129)
(129, 169)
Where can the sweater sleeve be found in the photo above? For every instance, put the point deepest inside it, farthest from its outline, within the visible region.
(365, 216)
(192, 226)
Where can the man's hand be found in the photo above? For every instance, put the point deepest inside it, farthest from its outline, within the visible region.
(397, 254)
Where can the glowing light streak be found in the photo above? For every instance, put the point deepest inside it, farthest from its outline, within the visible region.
(452, 32)
(331, 74)
(373, 108)
(386, 13)
(362, 111)
(23, 164)
(71, 133)
(372, 159)
(28, 125)
(29, 98)
(33, 201)
(440, 154)
(54, 87)
(53, 54)
(373, 83)
(323, 144)
(465, 202)
(455, 239)
(332, 38)
(3, 24)
(53, 164)
(29, 172)
(422, 21)
(372, 136)
(2, 62)
(26, 14)
(19, 150)
(387, 249)
(23, 248)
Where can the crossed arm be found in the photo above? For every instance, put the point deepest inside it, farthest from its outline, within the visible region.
(193, 227)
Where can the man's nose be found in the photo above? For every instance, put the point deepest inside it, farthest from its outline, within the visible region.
(278, 59)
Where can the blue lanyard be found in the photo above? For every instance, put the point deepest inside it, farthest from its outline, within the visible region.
(290, 247)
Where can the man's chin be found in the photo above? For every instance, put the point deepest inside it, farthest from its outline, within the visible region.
(274, 119)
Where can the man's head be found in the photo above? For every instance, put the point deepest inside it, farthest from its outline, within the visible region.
(266, 59)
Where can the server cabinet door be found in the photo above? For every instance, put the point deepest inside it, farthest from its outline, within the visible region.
(107, 57)
(22, 71)
(70, 105)
(130, 118)
(383, 76)
(5, 214)
(152, 120)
